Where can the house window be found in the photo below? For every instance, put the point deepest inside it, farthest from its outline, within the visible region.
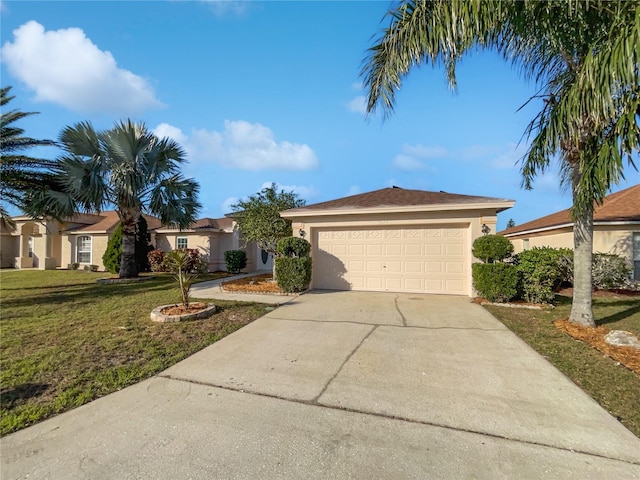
(182, 242)
(636, 256)
(30, 247)
(525, 244)
(83, 249)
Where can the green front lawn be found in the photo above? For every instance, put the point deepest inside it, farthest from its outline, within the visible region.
(612, 385)
(67, 340)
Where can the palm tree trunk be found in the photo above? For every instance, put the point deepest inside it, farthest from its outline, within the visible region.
(128, 267)
(581, 307)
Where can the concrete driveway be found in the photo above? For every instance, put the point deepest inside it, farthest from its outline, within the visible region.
(341, 385)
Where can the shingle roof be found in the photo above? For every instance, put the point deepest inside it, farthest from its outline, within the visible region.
(622, 206)
(396, 197)
(107, 221)
(209, 223)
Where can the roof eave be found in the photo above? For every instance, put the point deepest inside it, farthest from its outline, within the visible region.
(300, 213)
(596, 223)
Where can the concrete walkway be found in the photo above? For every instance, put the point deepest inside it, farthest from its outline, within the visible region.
(341, 385)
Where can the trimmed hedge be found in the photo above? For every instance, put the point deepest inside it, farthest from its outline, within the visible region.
(293, 274)
(236, 260)
(293, 247)
(492, 248)
(610, 271)
(542, 271)
(497, 282)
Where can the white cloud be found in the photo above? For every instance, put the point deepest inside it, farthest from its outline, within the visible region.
(303, 191)
(245, 146)
(226, 205)
(227, 7)
(354, 190)
(166, 130)
(67, 68)
(510, 158)
(358, 104)
(406, 162)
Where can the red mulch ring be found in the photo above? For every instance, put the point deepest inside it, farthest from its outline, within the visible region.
(613, 293)
(594, 336)
(194, 307)
(256, 284)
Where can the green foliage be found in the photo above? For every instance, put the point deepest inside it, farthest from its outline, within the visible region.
(194, 262)
(511, 223)
(293, 247)
(180, 263)
(156, 261)
(236, 260)
(293, 274)
(21, 176)
(113, 254)
(497, 282)
(610, 271)
(259, 219)
(541, 273)
(492, 248)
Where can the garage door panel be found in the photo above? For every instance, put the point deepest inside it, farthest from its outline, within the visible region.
(415, 259)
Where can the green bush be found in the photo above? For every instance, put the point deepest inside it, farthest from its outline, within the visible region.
(492, 248)
(610, 271)
(293, 274)
(193, 262)
(542, 270)
(293, 247)
(497, 282)
(236, 260)
(113, 253)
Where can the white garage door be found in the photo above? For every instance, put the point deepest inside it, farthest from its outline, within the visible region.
(430, 259)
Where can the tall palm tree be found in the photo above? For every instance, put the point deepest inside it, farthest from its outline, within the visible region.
(583, 55)
(128, 168)
(20, 174)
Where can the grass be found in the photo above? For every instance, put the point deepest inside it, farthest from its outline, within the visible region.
(612, 385)
(67, 340)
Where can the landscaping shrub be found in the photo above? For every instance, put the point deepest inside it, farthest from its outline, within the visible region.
(497, 282)
(293, 274)
(194, 262)
(492, 248)
(610, 271)
(156, 261)
(293, 264)
(113, 253)
(542, 270)
(236, 260)
(293, 247)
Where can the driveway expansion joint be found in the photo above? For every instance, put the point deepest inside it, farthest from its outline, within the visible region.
(314, 403)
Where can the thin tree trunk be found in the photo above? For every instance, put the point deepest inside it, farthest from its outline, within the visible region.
(581, 307)
(128, 268)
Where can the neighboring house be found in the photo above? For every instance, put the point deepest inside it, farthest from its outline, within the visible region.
(616, 228)
(49, 244)
(396, 240)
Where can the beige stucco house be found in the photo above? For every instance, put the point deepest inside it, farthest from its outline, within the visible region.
(49, 244)
(396, 239)
(616, 228)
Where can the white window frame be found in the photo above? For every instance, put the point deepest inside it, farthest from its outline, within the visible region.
(525, 244)
(78, 252)
(30, 243)
(178, 241)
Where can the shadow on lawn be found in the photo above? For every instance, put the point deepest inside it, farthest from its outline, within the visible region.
(20, 393)
(635, 308)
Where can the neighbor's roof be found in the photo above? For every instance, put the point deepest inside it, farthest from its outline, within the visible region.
(387, 198)
(105, 222)
(225, 224)
(622, 206)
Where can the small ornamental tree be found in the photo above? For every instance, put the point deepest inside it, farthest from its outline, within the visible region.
(293, 264)
(259, 220)
(113, 254)
(494, 280)
(235, 260)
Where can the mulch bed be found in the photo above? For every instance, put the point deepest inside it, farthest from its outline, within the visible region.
(262, 283)
(594, 336)
(194, 307)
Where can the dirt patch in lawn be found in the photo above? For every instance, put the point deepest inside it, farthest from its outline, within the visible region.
(594, 336)
(262, 283)
(194, 307)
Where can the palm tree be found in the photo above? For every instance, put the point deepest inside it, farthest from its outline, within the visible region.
(128, 168)
(20, 175)
(584, 57)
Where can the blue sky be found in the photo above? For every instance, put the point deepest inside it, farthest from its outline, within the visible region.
(261, 92)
